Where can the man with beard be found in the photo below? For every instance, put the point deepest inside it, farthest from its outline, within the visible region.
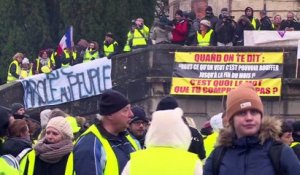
(138, 125)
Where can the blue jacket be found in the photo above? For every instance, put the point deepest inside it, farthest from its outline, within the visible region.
(248, 157)
(90, 157)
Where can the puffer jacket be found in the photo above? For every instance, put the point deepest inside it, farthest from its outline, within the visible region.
(249, 155)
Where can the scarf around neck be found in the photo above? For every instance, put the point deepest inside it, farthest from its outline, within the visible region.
(53, 153)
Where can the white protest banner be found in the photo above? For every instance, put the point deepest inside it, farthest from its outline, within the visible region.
(271, 38)
(67, 84)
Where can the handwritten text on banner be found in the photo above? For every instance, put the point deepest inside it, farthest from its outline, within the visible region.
(68, 84)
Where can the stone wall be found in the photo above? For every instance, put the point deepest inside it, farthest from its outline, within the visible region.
(144, 76)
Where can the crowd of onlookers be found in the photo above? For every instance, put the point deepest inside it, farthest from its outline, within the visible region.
(220, 30)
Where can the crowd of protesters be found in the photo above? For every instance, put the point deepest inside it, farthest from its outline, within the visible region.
(185, 29)
(124, 140)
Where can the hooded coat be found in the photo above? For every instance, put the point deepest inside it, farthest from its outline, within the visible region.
(160, 140)
(249, 155)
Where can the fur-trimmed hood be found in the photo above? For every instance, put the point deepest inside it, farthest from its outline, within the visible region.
(270, 129)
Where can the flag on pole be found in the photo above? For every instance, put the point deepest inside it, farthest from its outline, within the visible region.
(66, 41)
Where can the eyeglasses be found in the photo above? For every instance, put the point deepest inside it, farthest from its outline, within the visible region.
(140, 123)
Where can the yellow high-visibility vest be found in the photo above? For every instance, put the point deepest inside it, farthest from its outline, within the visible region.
(253, 22)
(52, 58)
(74, 54)
(38, 64)
(294, 144)
(7, 168)
(204, 41)
(162, 161)
(210, 142)
(109, 49)
(140, 36)
(26, 73)
(30, 158)
(89, 55)
(10, 77)
(111, 166)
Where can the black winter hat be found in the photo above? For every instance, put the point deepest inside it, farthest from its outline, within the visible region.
(208, 9)
(167, 103)
(138, 114)
(296, 126)
(112, 101)
(15, 107)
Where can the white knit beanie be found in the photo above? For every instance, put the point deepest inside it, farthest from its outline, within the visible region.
(62, 125)
(167, 129)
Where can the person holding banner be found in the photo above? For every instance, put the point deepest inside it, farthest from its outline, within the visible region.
(43, 63)
(91, 52)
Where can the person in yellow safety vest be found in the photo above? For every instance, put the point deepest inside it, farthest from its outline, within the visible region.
(205, 35)
(68, 58)
(104, 148)
(8, 164)
(216, 122)
(55, 59)
(128, 44)
(43, 63)
(110, 46)
(14, 69)
(167, 141)
(138, 36)
(53, 153)
(249, 12)
(91, 52)
(26, 69)
(296, 136)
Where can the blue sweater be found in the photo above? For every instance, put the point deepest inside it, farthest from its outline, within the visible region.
(248, 157)
(90, 157)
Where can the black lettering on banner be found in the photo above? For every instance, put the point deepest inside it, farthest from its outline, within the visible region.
(51, 90)
(52, 77)
(106, 76)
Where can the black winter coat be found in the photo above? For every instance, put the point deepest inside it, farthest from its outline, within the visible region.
(15, 146)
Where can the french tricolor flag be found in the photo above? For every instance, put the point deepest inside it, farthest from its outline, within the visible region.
(66, 41)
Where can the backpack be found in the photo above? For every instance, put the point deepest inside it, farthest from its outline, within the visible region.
(274, 154)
